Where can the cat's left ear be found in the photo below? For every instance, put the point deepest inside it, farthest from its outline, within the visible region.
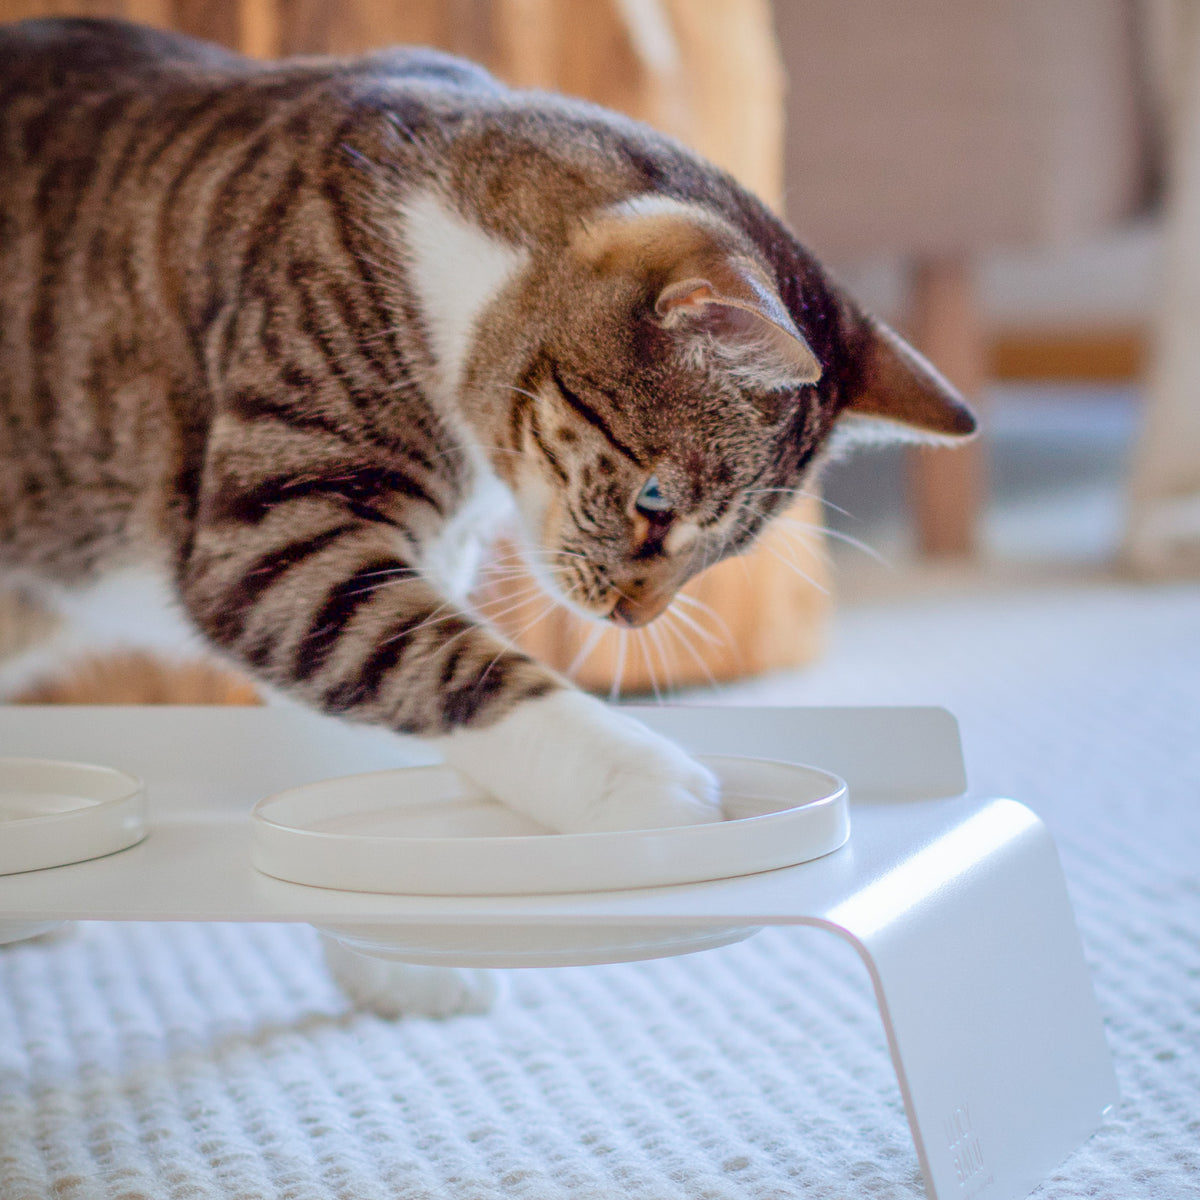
(741, 319)
(898, 394)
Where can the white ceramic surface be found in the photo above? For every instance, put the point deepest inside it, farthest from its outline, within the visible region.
(504, 946)
(54, 813)
(426, 831)
(956, 905)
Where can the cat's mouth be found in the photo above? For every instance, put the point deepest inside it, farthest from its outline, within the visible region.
(590, 591)
(633, 612)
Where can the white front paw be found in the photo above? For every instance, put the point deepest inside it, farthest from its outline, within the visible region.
(576, 765)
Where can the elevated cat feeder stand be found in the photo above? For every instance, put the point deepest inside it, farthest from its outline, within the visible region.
(957, 906)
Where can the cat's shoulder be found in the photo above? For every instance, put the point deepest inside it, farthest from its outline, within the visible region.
(434, 68)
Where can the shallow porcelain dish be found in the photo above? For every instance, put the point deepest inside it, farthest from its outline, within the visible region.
(541, 945)
(55, 813)
(426, 831)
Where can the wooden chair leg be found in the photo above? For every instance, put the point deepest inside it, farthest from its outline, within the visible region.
(946, 486)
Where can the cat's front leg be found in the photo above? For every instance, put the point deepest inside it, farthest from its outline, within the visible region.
(322, 607)
(577, 765)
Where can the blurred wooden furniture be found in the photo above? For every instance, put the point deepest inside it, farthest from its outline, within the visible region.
(1162, 535)
(935, 132)
(706, 71)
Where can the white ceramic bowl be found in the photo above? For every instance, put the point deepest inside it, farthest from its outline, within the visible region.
(427, 831)
(55, 813)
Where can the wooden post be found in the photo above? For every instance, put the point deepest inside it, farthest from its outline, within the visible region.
(946, 485)
(1162, 534)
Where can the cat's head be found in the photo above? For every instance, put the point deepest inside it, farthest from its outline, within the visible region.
(678, 396)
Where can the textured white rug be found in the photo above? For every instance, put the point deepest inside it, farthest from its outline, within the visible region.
(206, 1062)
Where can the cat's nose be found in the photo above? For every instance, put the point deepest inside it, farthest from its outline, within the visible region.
(634, 611)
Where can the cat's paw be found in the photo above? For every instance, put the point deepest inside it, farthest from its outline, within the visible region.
(393, 989)
(576, 765)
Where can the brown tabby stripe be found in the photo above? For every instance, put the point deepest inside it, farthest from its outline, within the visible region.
(267, 139)
(535, 428)
(252, 405)
(368, 679)
(260, 652)
(358, 483)
(464, 705)
(343, 601)
(348, 227)
(359, 348)
(450, 666)
(592, 417)
(230, 622)
(137, 117)
(580, 516)
(169, 137)
(266, 232)
(37, 131)
(361, 325)
(316, 327)
(241, 120)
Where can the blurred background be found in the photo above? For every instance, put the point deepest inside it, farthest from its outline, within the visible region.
(1013, 185)
(996, 179)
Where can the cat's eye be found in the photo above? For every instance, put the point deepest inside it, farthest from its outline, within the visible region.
(650, 501)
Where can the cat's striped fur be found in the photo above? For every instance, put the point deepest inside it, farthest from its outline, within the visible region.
(278, 327)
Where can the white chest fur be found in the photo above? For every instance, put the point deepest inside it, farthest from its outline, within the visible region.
(456, 270)
(451, 562)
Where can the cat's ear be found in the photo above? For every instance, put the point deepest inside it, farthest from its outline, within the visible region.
(742, 320)
(900, 395)
(704, 287)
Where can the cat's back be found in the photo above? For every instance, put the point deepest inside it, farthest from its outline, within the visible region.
(73, 89)
(94, 54)
(69, 53)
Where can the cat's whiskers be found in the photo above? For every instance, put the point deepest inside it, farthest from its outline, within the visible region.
(708, 611)
(458, 612)
(672, 614)
(512, 387)
(693, 624)
(806, 539)
(642, 641)
(565, 577)
(585, 651)
(538, 618)
(797, 569)
(408, 574)
(431, 620)
(386, 583)
(619, 668)
(654, 632)
(513, 601)
(785, 521)
(470, 626)
(524, 555)
(837, 535)
(803, 494)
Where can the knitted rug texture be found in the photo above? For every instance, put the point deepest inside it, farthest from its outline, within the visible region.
(208, 1062)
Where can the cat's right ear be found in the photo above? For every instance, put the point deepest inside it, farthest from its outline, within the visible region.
(742, 319)
(704, 287)
(898, 395)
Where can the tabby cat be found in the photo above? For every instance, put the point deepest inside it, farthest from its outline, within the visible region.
(300, 333)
